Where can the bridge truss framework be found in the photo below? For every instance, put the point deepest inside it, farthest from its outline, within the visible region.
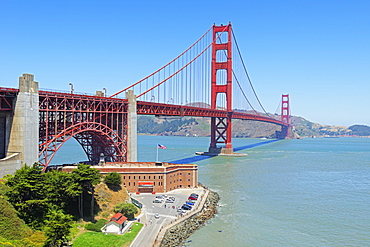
(98, 124)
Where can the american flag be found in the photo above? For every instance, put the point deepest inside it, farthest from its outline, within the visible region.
(161, 146)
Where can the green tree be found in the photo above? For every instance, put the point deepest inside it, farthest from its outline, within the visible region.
(127, 209)
(28, 196)
(113, 178)
(86, 177)
(61, 188)
(57, 227)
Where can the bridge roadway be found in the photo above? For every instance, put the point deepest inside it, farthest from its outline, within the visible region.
(167, 215)
(152, 108)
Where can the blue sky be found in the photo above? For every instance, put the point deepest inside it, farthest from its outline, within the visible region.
(316, 51)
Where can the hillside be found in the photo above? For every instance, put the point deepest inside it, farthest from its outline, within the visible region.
(107, 199)
(241, 128)
(13, 230)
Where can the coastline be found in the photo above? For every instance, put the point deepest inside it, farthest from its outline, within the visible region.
(176, 234)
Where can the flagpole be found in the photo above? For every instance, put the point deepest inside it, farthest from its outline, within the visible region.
(157, 153)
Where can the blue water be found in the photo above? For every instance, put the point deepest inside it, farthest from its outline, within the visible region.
(310, 192)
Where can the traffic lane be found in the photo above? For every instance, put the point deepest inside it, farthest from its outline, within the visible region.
(149, 233)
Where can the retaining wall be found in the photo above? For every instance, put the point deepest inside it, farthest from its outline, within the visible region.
(177, 234)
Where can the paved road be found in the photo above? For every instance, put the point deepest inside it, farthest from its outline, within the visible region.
(167, 214)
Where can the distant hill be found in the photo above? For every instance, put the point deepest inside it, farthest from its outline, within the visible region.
(360, 130)
(241, 128)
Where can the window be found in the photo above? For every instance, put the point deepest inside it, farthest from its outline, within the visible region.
(124, 177)
(128, 183)
(189, 173)
(154, 177)
(149, 177)
(139, 177)
(180, 173)
(129, 177)
(134, 183)
(180, 179)
(134, 177)
(144, 177)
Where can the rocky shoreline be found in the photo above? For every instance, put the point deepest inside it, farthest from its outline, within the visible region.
(177, 235)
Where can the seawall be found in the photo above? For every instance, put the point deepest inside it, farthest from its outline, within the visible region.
(177, 234)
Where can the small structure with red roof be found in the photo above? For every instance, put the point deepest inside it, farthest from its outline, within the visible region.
(115, 225)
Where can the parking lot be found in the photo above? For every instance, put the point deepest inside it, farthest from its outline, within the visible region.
(166, 209)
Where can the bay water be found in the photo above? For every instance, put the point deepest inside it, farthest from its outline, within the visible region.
(309, 192)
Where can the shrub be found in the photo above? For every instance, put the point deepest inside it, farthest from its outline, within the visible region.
(127, 209)
(96, 226)
(11, 226)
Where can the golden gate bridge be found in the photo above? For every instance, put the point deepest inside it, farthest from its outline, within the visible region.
(209, 79)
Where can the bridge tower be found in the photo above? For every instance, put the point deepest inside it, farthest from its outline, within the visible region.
(221, 126)
(285, 116)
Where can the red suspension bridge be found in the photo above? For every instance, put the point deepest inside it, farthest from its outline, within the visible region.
(209, 79)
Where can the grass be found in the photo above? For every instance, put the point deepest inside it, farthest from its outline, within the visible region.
(98, 239)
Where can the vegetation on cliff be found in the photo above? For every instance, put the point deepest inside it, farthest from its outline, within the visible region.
(37, 208)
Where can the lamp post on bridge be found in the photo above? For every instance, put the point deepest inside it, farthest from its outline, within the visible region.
(72, 89)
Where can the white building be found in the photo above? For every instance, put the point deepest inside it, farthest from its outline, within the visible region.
(115, 225)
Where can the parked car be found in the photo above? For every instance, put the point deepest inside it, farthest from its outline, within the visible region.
(194, 195)
(156, 215)
(192, 198)
(160, 197)
(189, 203)
(157, 200)
(168, 200)
(172, 198)
(186, 207)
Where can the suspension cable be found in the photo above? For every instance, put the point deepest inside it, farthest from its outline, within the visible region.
(246, 72)
(164, 65)
(185, 66)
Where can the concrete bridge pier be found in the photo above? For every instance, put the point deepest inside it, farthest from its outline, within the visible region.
(131, 127)
(23, 128)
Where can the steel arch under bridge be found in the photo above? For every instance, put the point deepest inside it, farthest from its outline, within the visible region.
(98, 124)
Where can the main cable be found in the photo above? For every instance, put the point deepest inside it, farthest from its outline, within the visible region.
(246, 72)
